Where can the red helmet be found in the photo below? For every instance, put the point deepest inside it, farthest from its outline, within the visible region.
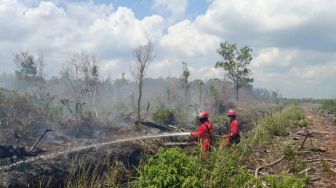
(232, 112)
(203, 114)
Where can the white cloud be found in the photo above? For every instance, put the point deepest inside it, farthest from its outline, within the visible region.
(261, 15)
(161, 68)
(176, 8)
(315, 72)
(121, 31)
(293, 41)
(295, 72)
(186, 40)
(59, 31)
(274, 57)
(88, 12)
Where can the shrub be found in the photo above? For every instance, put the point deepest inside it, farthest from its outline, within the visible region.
(182, 115)
(226, 171)
(18, 112)
(164, 115)
(170, 168)
(221, 122)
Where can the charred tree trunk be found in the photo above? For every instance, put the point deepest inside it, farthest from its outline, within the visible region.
(237, 85)
(200, 96)
(139, 99)
(94, 93)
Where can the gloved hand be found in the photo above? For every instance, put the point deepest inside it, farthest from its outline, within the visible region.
(192, 138)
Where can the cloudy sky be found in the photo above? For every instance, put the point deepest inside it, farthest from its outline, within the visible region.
(294, 42)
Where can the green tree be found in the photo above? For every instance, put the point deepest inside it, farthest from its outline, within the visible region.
(26, 64)
(235, 62)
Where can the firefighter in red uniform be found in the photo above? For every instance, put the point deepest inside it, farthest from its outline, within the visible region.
(205, 132)
(233, 136)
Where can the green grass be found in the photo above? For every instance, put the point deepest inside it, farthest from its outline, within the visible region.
(329, 105)
(89, 173)
(278, 124)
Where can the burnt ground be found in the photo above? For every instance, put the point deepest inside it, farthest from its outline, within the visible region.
(325, 138)
(53, 171)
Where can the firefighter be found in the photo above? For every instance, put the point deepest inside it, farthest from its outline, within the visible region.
(233, 136)
(204, 133)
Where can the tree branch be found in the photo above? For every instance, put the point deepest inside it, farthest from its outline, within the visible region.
(268, 165)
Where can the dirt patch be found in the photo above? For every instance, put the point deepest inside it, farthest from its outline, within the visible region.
(324, 138)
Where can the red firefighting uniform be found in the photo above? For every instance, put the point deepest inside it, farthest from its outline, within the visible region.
(234, 131)
(205, 132)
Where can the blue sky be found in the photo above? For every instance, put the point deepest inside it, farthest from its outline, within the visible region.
(293, 42)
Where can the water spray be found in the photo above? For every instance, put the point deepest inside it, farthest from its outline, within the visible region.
(98, 145)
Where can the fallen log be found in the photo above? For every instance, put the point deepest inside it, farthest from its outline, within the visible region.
(21, 152)
(267, 165)
(310, 132)
(315, 178)
(317, 160)
(320, 132)
(318, 149)
(16, 152)
(32, 148)
(154, 125)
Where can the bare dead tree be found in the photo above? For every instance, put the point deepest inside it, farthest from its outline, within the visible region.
(185, 81)
(200, 85)
(143, 55)
(81, 73)
(93, 82)
(40, 62)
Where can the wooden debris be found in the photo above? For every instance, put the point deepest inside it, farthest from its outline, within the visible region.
(317, 160)
(304, 140)
(267, 165)
(154, 125)
(305, 170)
(315, 178)
(304, 132)
(318, 149)
(168, 144)
(320, 132)
(334, 170)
